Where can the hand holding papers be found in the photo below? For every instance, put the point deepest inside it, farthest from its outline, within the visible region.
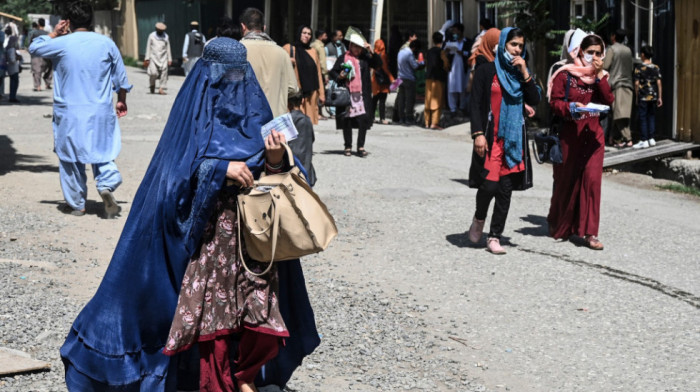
(282, 124)
(592, 108)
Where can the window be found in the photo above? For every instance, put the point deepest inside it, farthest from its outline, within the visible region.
(581, 9)
(453, 11)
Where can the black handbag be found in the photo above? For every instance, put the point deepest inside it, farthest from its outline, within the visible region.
(547, 145)
(337, 96)
(381, 77)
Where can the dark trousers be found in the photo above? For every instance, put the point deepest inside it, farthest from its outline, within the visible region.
(381, 100)
(347, 136)
(405, 100)
(14, 85)
(502, 191)
(647, 119)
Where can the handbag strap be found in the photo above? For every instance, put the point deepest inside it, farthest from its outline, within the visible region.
(275, 233)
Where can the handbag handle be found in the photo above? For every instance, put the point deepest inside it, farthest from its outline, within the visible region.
(275, 232)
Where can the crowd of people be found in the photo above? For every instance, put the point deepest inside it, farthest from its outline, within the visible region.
(197, 317)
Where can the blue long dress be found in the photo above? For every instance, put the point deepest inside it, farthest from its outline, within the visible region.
(116, 342)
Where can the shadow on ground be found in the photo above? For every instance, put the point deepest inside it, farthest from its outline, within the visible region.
(92, 207)
(541, 228)
(39, 100)
(463, 181)
(461, 240)
(11, 161)
(333, 152)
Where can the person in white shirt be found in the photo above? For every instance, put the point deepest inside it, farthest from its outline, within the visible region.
(158, 58)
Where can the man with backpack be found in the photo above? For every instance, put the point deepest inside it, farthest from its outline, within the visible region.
(193, 47)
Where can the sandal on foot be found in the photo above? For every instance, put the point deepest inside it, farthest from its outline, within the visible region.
(361, 152)
(347, 152)
(593, 242)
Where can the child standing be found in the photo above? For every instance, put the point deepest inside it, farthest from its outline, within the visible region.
(647, 86)
(302, 146)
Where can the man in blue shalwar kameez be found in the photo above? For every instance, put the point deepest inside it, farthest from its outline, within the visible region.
(88, 69)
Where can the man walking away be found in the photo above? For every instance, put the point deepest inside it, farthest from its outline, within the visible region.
(406, 98)
(620, 64)
(88, 68)
(193, 47)
(269, 61)
(158, 58)
(41, 68)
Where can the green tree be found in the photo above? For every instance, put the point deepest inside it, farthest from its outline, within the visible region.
(21, 8)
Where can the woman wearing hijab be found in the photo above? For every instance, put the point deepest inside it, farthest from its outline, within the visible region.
(381, 74)
(175, 291)
(565, 56)
(501, 160)
(485, 52)
(352, 70)
(308, 69)
(575, 206)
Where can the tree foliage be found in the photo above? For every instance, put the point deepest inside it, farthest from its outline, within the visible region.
(22, 8)
(531, 16)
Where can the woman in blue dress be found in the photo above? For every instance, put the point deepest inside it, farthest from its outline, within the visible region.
(119, 341)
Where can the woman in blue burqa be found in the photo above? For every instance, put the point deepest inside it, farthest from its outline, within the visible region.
(176, 310)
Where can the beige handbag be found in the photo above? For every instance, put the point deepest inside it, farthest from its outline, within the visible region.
(281, 218)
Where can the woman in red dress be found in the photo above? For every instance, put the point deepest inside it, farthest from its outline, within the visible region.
(501, 160)
(575, 206)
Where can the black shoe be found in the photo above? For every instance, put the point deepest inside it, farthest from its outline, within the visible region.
(15, 100)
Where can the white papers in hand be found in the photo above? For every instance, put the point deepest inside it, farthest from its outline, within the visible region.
(282, 124)
(593, 108)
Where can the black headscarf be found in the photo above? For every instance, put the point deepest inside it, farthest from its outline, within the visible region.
(306, 66)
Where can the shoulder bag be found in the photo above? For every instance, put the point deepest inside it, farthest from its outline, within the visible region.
(547, 146)
(281, 218)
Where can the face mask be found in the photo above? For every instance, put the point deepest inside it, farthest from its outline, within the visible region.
(508, 56)
(339, 42)
(588, 58)
(455, 37)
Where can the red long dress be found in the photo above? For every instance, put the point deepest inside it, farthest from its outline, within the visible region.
(575, 206)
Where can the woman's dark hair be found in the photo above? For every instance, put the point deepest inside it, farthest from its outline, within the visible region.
(79, 13)
(437, 37)
(227, 28)
(591, 40)
(514, 33)
(647, 51)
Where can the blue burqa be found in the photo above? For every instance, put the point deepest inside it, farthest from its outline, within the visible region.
(116, 342)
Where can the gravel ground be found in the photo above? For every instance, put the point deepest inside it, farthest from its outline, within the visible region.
(402, 300)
